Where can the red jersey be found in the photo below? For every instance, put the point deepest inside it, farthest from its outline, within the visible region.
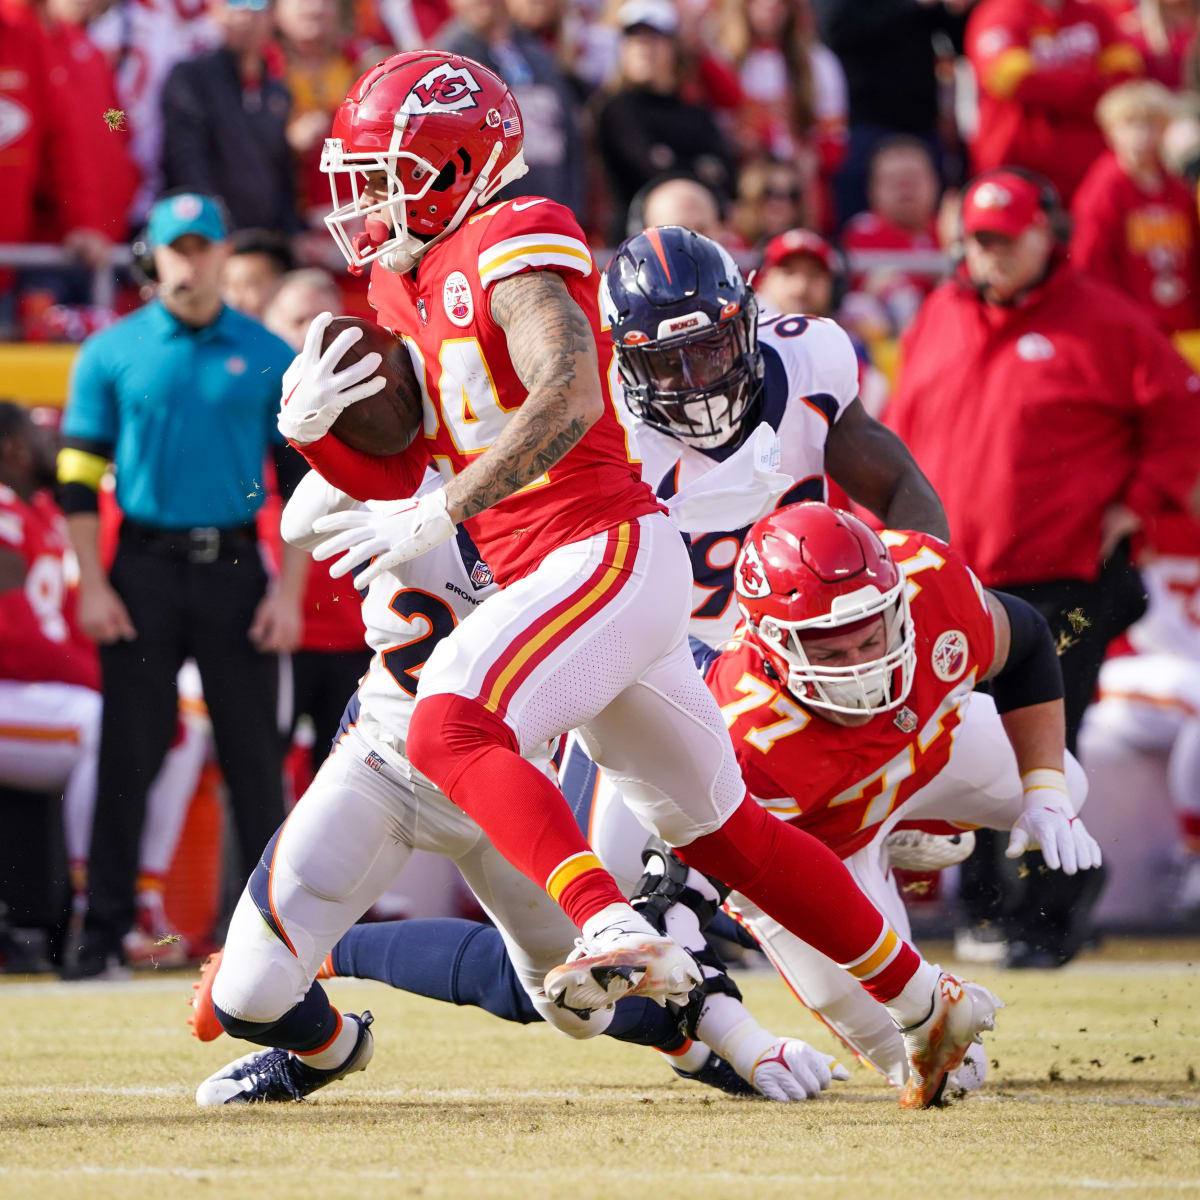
(39, 151)
(839, 783)
(870, 231)
(39, 641)
(1030, 421)
(1040, 68)
(472, 390)
(1145, 243)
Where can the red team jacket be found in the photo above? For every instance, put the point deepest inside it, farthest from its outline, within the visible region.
(39, 640)
(838, 783)
(1030, 421)
(1146, 244)
(1040, 70)
(442, 311)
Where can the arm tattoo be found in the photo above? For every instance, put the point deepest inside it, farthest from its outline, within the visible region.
(553, 352)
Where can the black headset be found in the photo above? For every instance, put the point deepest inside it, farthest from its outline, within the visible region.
(141, 266)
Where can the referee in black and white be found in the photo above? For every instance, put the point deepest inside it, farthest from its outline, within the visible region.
(181, 397)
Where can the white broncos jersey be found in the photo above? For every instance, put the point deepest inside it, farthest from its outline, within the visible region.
(406, 611)
(810, 376)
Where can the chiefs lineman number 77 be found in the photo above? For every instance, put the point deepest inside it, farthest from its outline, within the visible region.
(498, 303)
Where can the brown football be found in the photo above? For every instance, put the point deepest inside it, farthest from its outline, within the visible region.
(386, 422)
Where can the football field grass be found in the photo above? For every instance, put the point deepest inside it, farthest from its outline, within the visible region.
(1093, 1088)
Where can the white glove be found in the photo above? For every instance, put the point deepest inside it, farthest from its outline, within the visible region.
(315, 392)
(794, 1070)
(390, 538)
(1049, 824)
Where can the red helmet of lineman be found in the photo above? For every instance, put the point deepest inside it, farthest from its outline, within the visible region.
(809, 573)
(444, 133)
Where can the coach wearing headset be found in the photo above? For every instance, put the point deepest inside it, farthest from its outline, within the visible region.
(1055, 420)
(181, 396)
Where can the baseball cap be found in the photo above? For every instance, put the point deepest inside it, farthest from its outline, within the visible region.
(659, 15)
(1002, 202)
(189, 212)
(798, 241)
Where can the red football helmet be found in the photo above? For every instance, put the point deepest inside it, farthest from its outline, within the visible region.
(446, 131)
(810, 569)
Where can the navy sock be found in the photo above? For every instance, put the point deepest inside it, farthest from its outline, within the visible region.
(310, 1024)
(460, 962)
(465, 962)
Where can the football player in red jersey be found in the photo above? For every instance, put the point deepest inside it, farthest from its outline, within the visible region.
(849, 696)
(498, 305)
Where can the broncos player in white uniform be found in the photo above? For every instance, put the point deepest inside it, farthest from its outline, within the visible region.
(367, 809)
(695, 396)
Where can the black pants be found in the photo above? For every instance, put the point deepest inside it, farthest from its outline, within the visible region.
(1049, 909)
(180, 609)
(322, 682)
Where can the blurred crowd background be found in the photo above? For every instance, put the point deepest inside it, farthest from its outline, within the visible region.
(826, 143)
(856, 121)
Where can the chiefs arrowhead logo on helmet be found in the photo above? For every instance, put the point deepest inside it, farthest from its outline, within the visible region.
(751, 575)
(444, 89)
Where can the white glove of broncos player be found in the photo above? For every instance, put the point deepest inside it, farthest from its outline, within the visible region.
(1049, 823)
(390, 537)
(315, 392)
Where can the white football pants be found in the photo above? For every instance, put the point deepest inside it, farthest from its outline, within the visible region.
(595, 640)
(1151, 703)
(339, 850)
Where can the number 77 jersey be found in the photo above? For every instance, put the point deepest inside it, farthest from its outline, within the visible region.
(839, 783)
(472, 390)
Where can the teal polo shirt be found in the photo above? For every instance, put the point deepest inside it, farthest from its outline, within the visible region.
(190, 413)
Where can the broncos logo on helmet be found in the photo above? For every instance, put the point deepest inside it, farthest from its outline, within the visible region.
(684, 327)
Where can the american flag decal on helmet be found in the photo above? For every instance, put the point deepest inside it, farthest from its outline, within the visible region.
(511, 127)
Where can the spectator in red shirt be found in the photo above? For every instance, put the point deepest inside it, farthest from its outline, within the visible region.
(1041, 65)
(903, 189)
(79, 65)
(45, 171)
(1054, 418)
(1135, 224)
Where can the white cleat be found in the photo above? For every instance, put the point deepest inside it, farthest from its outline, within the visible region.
(938, 1044)
(794, 1070)
(914, 850)
(621, 962)
(969, 1075)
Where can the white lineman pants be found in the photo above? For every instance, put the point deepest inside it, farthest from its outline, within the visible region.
(979, 787)
(1151, 702)
(340, 849)
(595, 639)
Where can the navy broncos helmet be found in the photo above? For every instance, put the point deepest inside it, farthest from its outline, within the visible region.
(684, 328)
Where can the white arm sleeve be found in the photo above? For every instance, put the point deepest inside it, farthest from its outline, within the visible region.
(314, 497)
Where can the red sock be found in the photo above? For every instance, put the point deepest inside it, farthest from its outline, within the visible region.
(804, 886)
(472, 756)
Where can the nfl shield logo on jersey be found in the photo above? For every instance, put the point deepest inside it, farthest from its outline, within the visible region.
(481, 574)
(422, 311)
(374, 761)
(949, 655)
(906, 720)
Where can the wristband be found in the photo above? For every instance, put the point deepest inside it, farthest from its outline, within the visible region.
(1049, 781)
